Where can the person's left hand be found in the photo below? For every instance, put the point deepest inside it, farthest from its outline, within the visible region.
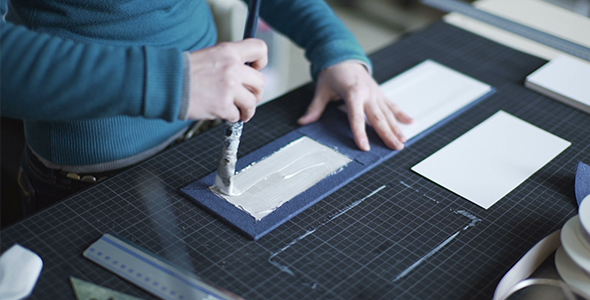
(351, 81)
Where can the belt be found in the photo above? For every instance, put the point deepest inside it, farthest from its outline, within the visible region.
(194, 129)
(56, 176)
(84, 177)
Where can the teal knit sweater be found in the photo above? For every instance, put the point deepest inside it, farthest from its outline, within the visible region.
(103, 84)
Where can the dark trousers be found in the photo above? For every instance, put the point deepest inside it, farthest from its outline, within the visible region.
(42, 187)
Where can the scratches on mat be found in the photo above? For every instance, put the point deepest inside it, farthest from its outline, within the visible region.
(285, 268)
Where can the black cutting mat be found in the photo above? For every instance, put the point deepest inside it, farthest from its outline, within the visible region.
(354, 243)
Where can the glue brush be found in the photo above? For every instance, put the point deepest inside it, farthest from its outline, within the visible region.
(233, 131)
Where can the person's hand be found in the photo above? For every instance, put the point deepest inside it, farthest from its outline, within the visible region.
(351, 81)
(222, 85)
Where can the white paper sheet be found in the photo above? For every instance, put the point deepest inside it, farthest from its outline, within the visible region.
(430, 92)
(492, 159)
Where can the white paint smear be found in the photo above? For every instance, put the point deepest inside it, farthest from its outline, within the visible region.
(492, 159)
(266, 185)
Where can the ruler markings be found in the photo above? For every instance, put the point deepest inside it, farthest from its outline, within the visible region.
(148, 272)
(511, 26)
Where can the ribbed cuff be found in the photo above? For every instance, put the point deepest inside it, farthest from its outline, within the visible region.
(360, 62)
(335, 52)
(164, 83)
(186, 90)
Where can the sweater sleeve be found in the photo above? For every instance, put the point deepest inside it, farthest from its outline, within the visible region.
(314, 26)
(53, 79)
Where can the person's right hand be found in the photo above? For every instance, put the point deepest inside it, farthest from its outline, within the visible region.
(222, 85)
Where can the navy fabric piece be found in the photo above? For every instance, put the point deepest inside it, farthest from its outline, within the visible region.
(333, 131)
(244, 222)
(582, 185)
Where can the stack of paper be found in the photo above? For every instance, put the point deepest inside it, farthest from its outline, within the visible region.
(565, 79)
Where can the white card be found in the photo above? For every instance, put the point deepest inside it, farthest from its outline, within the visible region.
(430, 92)
(493, 158)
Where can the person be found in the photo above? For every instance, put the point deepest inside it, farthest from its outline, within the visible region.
(103, 85)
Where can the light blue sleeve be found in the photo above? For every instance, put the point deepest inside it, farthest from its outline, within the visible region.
(49, 78)
(314, 26)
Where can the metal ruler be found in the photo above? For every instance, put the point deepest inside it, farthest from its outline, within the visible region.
(511, 26)
(149, 272)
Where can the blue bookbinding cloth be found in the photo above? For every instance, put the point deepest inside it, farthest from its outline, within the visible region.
(582, 185)
(333, 131)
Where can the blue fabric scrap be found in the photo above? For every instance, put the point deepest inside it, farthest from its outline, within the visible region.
(582, 185)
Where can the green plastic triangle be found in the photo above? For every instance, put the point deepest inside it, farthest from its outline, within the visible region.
(90, 291)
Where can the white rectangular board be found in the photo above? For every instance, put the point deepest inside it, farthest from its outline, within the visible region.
(486, 163)
(430, 92)
(565, 79)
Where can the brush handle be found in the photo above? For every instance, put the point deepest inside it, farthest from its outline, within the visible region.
(233, 131)
(252, 21)
(229, 157)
